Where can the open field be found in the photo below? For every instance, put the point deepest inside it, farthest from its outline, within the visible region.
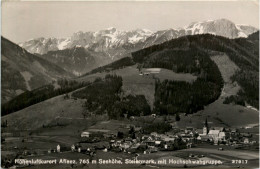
(136, 84)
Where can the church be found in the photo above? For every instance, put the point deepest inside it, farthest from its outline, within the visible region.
(215, 134)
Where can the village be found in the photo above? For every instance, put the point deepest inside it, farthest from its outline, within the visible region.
(136, 142)
(131, 141)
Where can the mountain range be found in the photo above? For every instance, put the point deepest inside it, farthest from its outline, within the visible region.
(54, 58)
(110, 39)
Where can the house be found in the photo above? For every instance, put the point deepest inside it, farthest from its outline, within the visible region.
(125, 145)
(214, 133)
(189, 145)
(147, 137)
(167, 138)
(135, 145)
(85, 134)
(158, 142)
(222, 136)
(188, 129)
(152, 71)
(199, 138)
(149, 143)
(246, 141)
(192, 133)
(58, 148)
(73, 148)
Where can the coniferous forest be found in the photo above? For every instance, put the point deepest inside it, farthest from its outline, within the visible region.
(172, 97)
(104, 96)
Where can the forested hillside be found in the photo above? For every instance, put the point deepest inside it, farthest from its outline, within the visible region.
(242, 51)
(104, 96)
(191, 54)
(173, 97)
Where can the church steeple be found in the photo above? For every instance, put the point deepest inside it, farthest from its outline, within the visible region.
(206, 123)
(206, 127)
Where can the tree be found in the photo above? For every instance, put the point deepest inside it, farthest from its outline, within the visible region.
(177, 117)
(120, 135)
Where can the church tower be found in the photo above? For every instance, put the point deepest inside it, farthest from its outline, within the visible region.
(206, 127)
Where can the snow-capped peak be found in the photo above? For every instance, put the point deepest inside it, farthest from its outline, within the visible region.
(109, 38)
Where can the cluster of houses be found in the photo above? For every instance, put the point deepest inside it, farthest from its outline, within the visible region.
(153, 142)
(221, 135)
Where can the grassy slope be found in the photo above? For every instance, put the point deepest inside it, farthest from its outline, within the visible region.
(220, 114)
(135, 84)
(45, 112)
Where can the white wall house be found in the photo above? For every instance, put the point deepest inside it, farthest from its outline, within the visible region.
(85, 134)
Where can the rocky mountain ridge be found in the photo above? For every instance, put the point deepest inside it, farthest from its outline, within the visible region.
(110, 39)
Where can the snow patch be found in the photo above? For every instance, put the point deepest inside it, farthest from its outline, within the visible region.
(146, 32)
(112, 37)
(242, 35)
(63, 44)
(197, 27)
(135, 39)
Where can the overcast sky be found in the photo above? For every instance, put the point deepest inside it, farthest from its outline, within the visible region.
(25, 20)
